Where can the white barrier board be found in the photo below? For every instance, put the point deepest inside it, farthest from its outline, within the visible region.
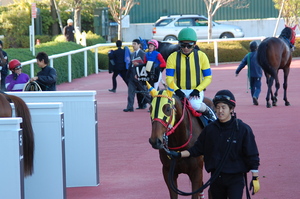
(81, 132)
(11, 155)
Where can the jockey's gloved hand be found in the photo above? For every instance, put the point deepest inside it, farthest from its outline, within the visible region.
(195, 93)
(254, 184)
(174, 154)
(180, 94)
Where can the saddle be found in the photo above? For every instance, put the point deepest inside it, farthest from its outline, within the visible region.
(32, 86)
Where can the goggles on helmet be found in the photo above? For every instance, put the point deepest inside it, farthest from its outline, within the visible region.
(223, 98)
(186, 45)
(18, 67)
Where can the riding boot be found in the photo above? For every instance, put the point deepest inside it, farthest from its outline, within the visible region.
(209, 115)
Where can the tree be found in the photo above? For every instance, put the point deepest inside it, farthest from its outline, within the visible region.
(213, 5)
(290, 11)
(119, 11)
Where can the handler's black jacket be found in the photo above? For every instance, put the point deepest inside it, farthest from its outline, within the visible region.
(213, 141)
(47, 79)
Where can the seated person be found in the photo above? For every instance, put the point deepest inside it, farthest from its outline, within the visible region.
(17, 80)
(200, 23)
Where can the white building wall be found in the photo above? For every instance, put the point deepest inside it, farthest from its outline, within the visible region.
(251, 28)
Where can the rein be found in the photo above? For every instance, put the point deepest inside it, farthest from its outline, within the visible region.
(171, 129)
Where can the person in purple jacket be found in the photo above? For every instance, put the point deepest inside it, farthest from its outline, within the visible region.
(17, 80)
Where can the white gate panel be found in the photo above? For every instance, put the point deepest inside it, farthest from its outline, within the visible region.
(49, 178)
(81, 132)
(11, 155)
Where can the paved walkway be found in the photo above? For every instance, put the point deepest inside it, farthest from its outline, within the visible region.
(130, 168)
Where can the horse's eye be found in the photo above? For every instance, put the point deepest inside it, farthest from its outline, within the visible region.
(167, 109)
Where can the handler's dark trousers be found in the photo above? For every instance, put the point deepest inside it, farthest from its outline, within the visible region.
(228, 186)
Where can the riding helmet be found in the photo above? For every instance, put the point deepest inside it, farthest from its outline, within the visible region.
(187, 34)
(224, 96)
(153, 42)
(13, 64)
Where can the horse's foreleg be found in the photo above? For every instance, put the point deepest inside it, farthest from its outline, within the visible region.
(285, 85)
(197, 181)
(173, 195)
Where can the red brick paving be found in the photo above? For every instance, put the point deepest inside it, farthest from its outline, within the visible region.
(130, 168)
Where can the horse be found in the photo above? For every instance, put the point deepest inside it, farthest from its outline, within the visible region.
(174, 128)
(274, 54)
(21, 110)
(166, 48)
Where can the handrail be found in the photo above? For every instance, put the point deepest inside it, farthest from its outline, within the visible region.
(70, 53)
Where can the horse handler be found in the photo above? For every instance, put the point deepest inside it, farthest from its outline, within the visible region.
(229, 149)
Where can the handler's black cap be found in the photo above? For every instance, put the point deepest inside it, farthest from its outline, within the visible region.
(224, 96)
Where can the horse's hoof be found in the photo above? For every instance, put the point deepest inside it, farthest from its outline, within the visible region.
(287, 104)
(269, 105)
(274, 104)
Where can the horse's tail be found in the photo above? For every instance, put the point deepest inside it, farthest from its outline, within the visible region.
(262, 58)
(22, 110)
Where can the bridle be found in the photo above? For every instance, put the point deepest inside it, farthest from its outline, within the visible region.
(167, 121)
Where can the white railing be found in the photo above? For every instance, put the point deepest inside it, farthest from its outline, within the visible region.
(95, 47)
(69, 54)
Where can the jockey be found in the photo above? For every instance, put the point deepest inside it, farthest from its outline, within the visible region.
(158, 61)
(17, 80)
(190, 71)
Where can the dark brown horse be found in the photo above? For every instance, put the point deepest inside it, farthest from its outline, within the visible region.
(21, 110)
(175, 128)
(274, 54)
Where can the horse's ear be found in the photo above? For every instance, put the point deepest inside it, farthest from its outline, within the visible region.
(170, 89)
(151, 90)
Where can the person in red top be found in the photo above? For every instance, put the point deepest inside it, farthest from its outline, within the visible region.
(159, 64)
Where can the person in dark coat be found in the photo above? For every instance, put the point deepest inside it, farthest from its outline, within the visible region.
(134, 75)
(69, 31)
(3, 66)
(119, 65)
(229, 149)
(46, 78)
(254, 71)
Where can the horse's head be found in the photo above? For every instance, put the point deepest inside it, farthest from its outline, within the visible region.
(289, 33)
(162, 111)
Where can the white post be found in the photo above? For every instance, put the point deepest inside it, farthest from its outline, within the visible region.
(30, 38)
(33, 15)
(69, 68)
(96, 61)
(279, 15)
(32, 70)
(51, 62)
(216, 52)
(32, 26)
(85, 63)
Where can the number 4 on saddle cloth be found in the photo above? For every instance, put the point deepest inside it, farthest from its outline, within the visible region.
(146, 73)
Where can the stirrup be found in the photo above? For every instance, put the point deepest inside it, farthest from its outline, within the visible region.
(210, 114)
